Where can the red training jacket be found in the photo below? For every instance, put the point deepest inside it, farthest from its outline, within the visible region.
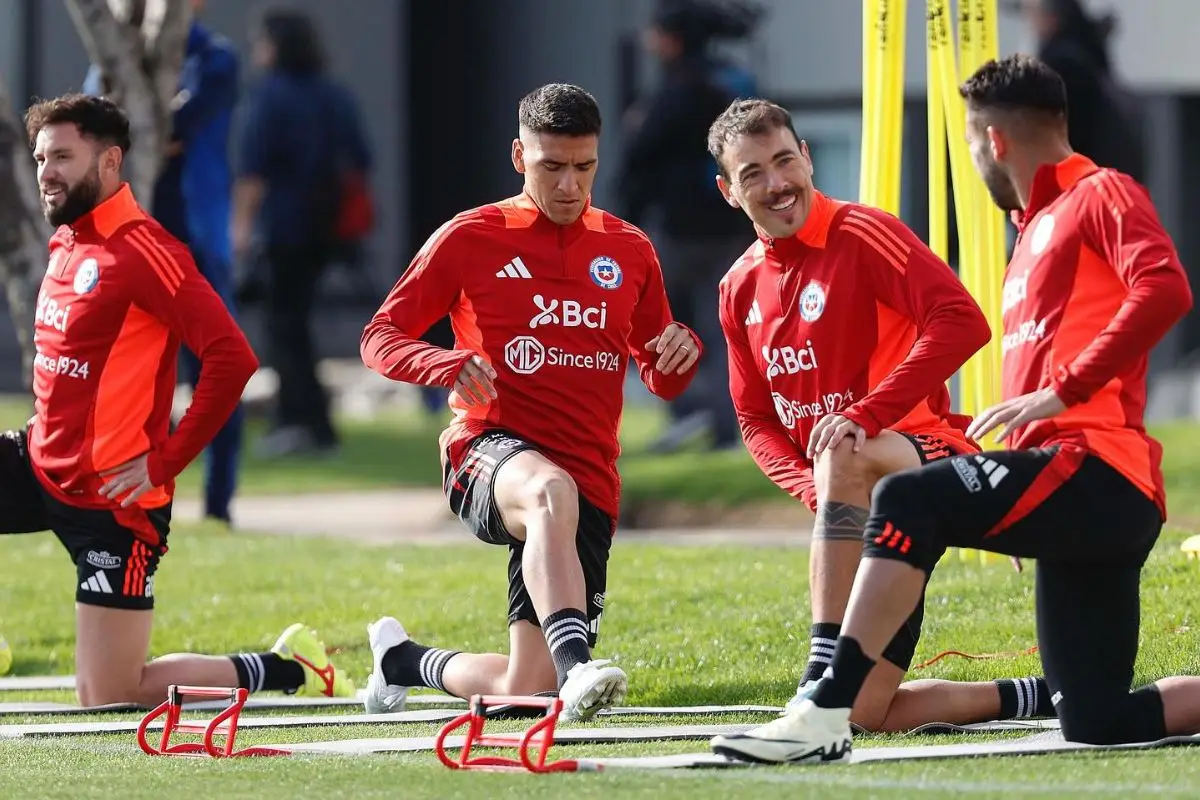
(853, 315)
(119, 295)
(556, 310)
(1094, 283)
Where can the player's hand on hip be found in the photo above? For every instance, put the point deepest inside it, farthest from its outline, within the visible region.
(475, 382)
(1016, 413)
(131, 479)
(676, 348)
(831, 429)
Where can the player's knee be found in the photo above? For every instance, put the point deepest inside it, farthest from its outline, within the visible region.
(1133, 717)
(901, 526)
(551, 493)
(838, 470)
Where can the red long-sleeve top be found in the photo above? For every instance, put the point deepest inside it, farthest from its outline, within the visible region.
(556, 310)
(1094, 283)
(853, 315)
(119, 296)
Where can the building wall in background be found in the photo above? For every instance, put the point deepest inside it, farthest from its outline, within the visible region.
(490, 53)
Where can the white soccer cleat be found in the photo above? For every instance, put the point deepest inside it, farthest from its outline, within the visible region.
(803, 691)
(808, 735)
(380, 697)
(590, 687)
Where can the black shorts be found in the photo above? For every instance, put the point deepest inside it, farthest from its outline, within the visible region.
(1090, 530)
(903, 646)
(468, 488)
(114, 567)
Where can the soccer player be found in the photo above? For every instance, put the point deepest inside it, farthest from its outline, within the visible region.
(549, 298)
(842, 330)
(1094, 282)
(97, 463)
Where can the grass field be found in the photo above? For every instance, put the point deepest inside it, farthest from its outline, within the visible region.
(400, 449)
(691, 625)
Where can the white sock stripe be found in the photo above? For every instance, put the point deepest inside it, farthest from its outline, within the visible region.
(443, 658)
(1026, 698)
(255, 670)
(423, 668)
(580, 621)
(565, 631)
(564, 624)
(558, 639)
(431, 666)
(1031, 688)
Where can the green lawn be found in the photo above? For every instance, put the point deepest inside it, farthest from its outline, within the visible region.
(691, 626)
(401, 450)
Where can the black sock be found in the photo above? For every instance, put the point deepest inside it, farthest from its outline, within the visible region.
(850, 667)
(566, 633)
(267, 672)
(412, 664)
(1024, 698)
(821, 642)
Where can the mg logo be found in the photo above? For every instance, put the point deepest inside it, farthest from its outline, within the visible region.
(524, 355)
(567, 313)
(783, 407)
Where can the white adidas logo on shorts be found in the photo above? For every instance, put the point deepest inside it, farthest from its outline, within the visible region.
(98, 583)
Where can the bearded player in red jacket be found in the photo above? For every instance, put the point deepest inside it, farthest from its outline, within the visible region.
(842, 329)
(98, 461)
(549, 297)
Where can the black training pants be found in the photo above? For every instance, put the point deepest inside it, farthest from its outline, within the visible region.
(1090, 530)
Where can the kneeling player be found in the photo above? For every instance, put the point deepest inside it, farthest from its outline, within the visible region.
(549, 298)
(1082, 492)
(842, 329)
(98, 462)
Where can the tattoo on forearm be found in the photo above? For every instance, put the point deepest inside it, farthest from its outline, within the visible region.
(840, 522)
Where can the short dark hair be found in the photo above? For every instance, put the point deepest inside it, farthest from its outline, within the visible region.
(749, 117)
(297, 43)
(97, 118)
(560, 108)
(1017, 83)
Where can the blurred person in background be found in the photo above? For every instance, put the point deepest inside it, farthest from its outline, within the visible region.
(192, 201)
(666, 183)
(1106, 122)
(303, 159)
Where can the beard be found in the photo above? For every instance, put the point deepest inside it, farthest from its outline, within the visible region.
(1003, 193)
(78, 200)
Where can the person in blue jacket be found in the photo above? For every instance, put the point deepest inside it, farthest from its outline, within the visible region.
(192, 200)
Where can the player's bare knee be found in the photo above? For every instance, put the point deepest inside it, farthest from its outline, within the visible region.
(838, 471)
(552, 493)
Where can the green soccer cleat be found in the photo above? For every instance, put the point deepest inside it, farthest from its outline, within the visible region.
(321, 677)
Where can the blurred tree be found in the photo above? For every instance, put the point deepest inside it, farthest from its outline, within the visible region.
(138, 47)
(23, 230)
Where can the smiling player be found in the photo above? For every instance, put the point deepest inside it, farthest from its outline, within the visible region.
(842, 329)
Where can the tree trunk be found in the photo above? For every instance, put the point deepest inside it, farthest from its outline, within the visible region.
(24, 232)
(138, 45)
